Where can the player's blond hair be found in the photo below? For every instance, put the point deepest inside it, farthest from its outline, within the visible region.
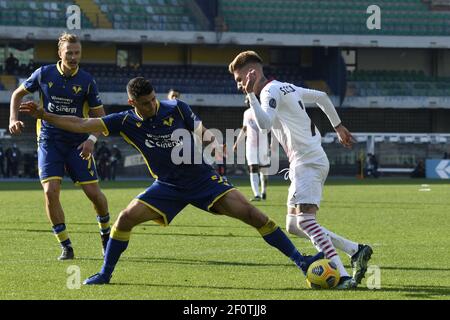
(67, 37)
(243, 59)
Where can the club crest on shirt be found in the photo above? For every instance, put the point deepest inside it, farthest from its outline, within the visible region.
(168, 121)
(273, 103)
(76, 89)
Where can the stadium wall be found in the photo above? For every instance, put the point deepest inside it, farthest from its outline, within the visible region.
(47, 52)
(169, 54)
(394, 59)
(443, 61)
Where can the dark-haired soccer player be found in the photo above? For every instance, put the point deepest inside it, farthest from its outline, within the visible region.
(149, 128)
(65, 89)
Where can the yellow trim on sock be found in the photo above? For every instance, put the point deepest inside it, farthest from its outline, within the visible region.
(62, 236)
(120, 235)
(268, 228)
(104, 225)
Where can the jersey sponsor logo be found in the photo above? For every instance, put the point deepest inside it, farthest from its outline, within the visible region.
(168, 121)
(76, 89)
(164, 141)
(273, 103)
(58, 109)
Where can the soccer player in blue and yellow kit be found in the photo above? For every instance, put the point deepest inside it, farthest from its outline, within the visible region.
(150, 128)
(66, 90)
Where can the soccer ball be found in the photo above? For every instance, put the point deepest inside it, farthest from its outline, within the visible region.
(322, 274)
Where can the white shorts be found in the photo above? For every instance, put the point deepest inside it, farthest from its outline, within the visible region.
(307, 182)
(257, 156)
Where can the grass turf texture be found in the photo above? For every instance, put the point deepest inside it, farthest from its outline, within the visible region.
(202, 256)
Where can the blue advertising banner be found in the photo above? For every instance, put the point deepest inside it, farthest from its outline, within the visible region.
(437, 169)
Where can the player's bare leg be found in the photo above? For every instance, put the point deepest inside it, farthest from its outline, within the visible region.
(98, 199)
(55, 214)
(235, 205)
(135, 213)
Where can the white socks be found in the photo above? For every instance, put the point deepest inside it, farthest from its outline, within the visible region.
(263, 179)
(292, 226)
(254, 181)
(349, 247)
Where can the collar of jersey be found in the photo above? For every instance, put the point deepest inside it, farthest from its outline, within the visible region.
(58, 66)
(142, 118)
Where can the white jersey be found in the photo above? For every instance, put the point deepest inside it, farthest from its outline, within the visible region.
(283, 105)
(257, 143)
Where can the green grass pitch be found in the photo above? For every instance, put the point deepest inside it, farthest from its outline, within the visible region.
(202, 256)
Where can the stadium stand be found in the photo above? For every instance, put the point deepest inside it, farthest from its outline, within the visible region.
(148, 14)
(396, 83)
(403, 17)
(384, 96)
(118, 14)
(36, 13)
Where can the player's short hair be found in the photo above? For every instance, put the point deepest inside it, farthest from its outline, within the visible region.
(243, 59)
(67, 37)
(138, 87)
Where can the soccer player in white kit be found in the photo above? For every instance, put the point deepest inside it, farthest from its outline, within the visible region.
(281, 107)
(256, 153)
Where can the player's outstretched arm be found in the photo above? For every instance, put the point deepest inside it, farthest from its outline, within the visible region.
(69, 123)
(324, 102)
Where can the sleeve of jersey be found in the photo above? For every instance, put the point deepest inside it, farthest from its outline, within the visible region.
(113, 123)
(32, 83)
(93, 97)
(191, 120)
(265, 111)
(323, 101)
(245, 120)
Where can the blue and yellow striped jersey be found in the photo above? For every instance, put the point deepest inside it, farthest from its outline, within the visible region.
(165, 141)
(74, 95)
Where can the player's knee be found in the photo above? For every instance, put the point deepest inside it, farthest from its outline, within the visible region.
(255, 217)
(308, 208)
(125, 221)
(97, 197)
(51, 194)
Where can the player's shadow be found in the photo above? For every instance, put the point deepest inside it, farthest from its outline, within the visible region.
(182, 286)
(419, 292)
(195, 262)
(405, 205)
(415, 268)
(144, 233)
